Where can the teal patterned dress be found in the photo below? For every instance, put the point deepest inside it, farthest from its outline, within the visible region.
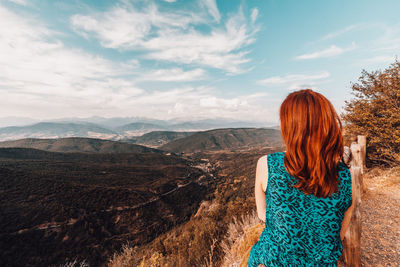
(300, 230)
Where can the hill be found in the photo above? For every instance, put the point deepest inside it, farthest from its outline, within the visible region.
(157, 138)
(197, 242)
(55, 130)
(78, 144)
(225, 139)
(57, 207)
(137, 128)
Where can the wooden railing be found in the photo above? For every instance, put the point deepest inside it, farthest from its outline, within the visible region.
(352, 239)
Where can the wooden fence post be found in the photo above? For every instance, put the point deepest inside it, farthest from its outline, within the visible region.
(362, 141)
(358, 161)
(351, 246)
(352, 239)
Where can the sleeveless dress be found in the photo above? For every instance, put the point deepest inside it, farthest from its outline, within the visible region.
(300, 230)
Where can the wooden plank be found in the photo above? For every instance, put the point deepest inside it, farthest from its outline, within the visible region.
(351, 242)
(357, 161)
(362, 141)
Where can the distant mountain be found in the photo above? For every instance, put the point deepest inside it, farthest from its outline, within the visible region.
(109, 128)
(157, 138)
(208, 124)
(78, 144)
(16, 121)
(225, 139)
(139, 128)
(170, 124)
(56, 130)
(110, 123)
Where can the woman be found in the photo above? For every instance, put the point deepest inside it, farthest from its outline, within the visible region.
(303, 195)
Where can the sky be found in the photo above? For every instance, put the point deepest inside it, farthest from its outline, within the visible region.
(178, 59)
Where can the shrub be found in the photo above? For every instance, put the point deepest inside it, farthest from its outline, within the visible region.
(375, 113)
(243, 232)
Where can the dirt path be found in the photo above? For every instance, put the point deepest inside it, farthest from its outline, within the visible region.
(380, 238)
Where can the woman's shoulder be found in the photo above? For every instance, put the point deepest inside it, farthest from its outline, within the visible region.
(270, 157)
(274, 154)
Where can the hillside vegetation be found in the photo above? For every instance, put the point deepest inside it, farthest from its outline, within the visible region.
(57, 207)
(225, 139)
(55, 130)
(157, 138)
(78, 144)
(202, 240)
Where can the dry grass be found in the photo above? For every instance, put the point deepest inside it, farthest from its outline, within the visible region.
(242, 234)
(75, 263)
(124, 259)
(384, 177)
(128, 258)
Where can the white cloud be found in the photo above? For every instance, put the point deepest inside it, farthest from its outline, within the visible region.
(174, 75)
(36, 69)
(295, 81)
(389, 41)
(338, 33)
(331, 51)
(170, 1)
(40, 77)
(381, 59)
(294, 78)
(19, 2)
(254, 15)
(171, 36)
(212, 8)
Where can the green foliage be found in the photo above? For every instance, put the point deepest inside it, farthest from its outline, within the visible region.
(375, 113)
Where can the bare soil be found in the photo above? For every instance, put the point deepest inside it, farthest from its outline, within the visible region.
(380, 234)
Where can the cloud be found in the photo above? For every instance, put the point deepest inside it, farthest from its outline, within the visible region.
(212, 8)
(295, 81)
(174, 75)
(389, 40)
(381, 59)
(171, 35)
(42, 77)
(254, 15)
(36, 69)
(19, 2)
(331, 51)
(338, 33)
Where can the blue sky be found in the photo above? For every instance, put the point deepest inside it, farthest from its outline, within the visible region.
(186, 59)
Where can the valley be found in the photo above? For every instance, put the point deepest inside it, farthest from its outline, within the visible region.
(85, 206)
(83, 199)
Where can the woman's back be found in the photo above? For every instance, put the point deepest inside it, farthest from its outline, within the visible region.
(300, 229)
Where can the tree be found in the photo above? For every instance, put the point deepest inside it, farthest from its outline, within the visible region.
(375, 113)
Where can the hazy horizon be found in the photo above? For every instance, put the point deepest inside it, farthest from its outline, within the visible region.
(185, 59)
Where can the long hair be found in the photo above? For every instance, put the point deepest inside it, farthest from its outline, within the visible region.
(312, 132)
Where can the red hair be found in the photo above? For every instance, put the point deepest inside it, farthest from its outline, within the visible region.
(312, 131)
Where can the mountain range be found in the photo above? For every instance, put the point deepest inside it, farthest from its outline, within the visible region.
(225, 139)
(156, 141)
(84, 198)
(107, 128)
(78, 144)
